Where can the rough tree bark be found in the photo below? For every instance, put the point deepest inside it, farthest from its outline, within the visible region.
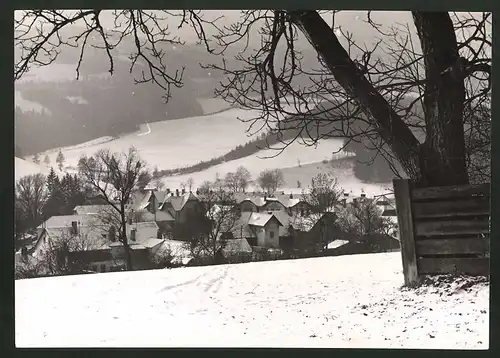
(443, 155)
(441, 159)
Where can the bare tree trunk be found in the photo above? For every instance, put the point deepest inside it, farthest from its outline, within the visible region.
(443, 157)
(389, 124)
(124, 239)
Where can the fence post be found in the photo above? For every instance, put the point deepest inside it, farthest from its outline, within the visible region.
(402, 193)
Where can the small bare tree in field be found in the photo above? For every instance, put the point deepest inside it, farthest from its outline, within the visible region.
(271, 180)
(114, 176)
(190, 184)
(323, 194)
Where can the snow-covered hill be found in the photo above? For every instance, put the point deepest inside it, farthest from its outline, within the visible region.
(24, 167)
(173, 143)
(347, 301)
(183, 142)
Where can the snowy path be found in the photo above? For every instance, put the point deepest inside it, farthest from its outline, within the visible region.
(149, 131)
(345, 301)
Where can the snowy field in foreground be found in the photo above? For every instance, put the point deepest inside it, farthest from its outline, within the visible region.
(349, 301)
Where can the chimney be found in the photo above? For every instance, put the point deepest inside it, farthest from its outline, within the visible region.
(346, 195)
(132, 234)
(363, 195)
(168, 191)
(171, 194)
(197, 192)
(176, 192)
(183, 191)
(344, 202)
(291, 196)
(270, 212)
(74, 227)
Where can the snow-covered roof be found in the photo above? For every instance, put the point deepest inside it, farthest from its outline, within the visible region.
(142, 225)
(66, 221)
(261, 199)
(92, 209)
(152, 242)
(337, 243)
(178, 202)
(259, 219)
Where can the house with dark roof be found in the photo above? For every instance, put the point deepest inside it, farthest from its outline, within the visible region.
(182, 207)
(259, 229)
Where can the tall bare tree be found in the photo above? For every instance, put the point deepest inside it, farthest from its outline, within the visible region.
(60, 160)
(114, 176)
(354, 92)
(215, 222)
(364, 217)
(243, 177)
(31, 196)
(323, 194)
(190, 183)
(271, 180)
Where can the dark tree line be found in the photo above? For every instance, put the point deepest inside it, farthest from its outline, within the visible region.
(64, 194)
(39, 197)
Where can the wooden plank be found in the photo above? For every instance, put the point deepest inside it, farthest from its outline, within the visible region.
(451, 209)
(451, 227)
(451, 192)
(471, 245)
(467, 266)
(402, 192)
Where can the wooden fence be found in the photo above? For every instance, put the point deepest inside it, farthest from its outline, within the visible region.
(443, 230)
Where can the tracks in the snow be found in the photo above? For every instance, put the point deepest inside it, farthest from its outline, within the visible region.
(207, 280)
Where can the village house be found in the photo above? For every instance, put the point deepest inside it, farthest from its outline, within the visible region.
(91, 241)
(259, 229)
(144, 207)
(182, 206)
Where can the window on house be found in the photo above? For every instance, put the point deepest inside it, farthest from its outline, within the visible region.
(94, 268)
(301, 212)
(271, 234)
(103, 267)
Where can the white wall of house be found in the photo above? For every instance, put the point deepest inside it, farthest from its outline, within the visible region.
(143, 232)
(261, 236)
(272, 234)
